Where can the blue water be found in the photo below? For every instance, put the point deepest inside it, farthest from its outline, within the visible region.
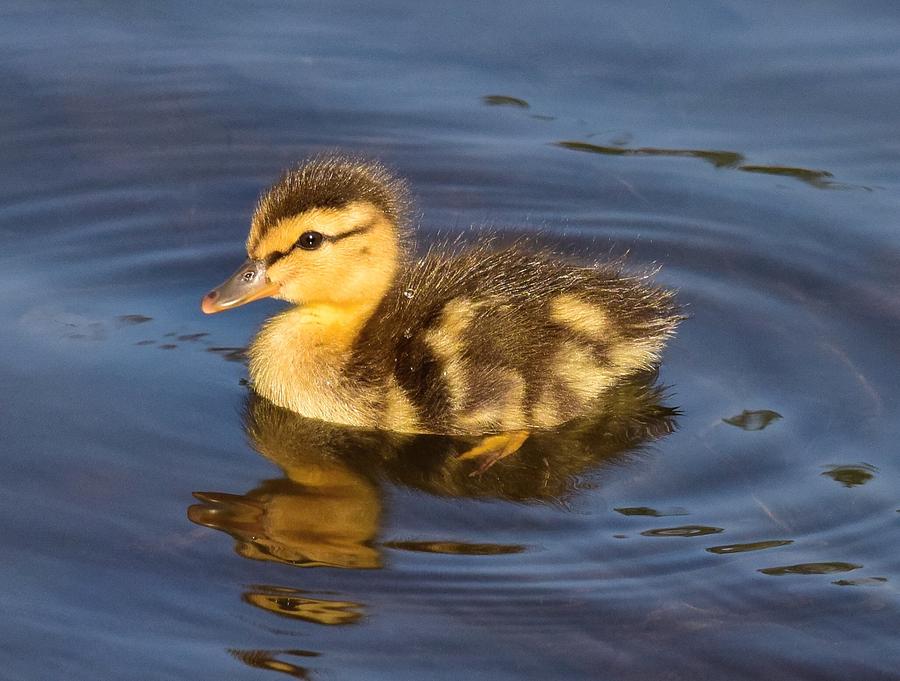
(749, 149)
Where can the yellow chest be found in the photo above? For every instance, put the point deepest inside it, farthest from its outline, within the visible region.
(297, 360)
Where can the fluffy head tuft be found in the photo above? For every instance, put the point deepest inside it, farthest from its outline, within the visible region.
(330, 181)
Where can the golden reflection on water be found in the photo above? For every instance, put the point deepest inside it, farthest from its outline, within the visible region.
(297, 604)
(851, 475)
(327, 508)
(266, 659)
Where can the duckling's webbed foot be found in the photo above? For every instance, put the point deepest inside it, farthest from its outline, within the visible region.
(492, 448)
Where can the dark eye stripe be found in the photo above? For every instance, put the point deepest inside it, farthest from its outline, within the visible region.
(272, 258)
(352, 232)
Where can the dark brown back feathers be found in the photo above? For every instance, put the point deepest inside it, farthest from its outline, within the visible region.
(511, 292)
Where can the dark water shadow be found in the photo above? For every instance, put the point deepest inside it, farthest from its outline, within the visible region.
(505, 100)
(455, 548)
(719, 159)
(133, 319)
(820, 179)
(727, 549)
(651, 512)
(683, 531)
(733, 160)
(823, 568)
(753, 420)
(230, 354)
(862, 581)
(326, 510)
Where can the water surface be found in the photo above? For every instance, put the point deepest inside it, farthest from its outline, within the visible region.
(738, 519)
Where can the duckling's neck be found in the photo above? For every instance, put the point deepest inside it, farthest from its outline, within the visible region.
(326, 326)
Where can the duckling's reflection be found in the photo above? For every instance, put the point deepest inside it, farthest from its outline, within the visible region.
(267, 659)
(326, 510)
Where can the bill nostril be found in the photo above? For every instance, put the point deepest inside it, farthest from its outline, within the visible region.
(208, 302)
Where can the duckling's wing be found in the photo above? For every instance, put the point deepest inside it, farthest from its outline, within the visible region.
(488, 341)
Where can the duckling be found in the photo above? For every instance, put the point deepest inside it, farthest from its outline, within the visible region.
(461, 341)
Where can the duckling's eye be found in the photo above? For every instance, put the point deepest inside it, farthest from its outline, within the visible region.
(310, 241)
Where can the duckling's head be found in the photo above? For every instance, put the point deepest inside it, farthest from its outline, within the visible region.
(330, 232)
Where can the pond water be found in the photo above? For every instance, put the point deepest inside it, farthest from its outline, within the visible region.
(737, 520)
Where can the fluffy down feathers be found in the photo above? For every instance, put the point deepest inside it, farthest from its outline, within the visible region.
(488, 340)
(330, 182)
(461, 341)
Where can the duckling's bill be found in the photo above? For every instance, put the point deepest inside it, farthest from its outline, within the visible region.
(249, 283)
